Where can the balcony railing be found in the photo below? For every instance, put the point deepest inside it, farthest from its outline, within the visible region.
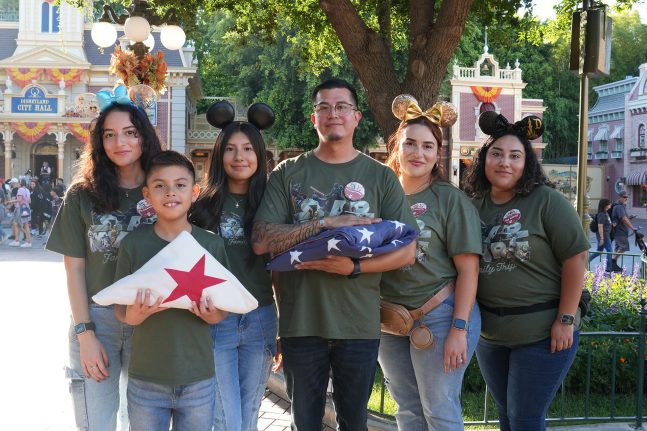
(638, 152)
(8, 15)
(589, 156)
(616, 154)
(601, 155)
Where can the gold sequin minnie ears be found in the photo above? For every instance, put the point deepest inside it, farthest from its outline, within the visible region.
(496, 125)
(442, 114)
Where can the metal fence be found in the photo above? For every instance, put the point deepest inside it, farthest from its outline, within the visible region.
(633, 340)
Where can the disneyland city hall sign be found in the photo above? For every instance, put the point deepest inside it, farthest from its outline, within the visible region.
(34, 101)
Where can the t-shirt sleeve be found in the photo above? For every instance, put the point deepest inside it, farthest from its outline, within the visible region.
(68, 234)
(275, 205)
(463, 226)
(562, 227)
(619, 211)
(394, 205)
(123, 267)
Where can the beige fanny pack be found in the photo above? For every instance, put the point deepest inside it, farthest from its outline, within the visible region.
(395, 319)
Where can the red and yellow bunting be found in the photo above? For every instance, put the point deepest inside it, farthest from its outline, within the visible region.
(24, 75)
(486, 94)
(31, 132)
(71, 76)
(80, 131)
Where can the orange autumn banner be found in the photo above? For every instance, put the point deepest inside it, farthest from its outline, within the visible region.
(23, 75)
(71, 76)
(80, 131)
(31, 132)
(486, 94)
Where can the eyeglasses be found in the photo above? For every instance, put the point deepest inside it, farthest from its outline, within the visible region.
(341, 109)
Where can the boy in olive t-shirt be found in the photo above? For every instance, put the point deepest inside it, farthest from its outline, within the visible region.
(171, 372)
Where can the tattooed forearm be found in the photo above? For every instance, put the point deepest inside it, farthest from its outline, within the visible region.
(276, 238)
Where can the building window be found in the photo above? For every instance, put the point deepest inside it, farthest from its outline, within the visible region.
(604, 146)
(49, 18)
(641, 136)
(619, 144)
(589, 147)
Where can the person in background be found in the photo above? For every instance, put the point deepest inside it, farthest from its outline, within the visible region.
(39, 206)
(244, 344)
(103, 205)
(622, 222)
(21, 214)
(531, 273)
(45, 173)
(426, 383)
(603, 234)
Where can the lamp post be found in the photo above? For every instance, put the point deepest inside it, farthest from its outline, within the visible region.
(137, 22)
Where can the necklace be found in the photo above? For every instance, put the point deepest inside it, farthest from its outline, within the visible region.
(237, 201)
(419, 189)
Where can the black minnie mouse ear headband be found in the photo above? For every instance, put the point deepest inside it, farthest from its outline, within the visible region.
(222, 113)
(496, 125)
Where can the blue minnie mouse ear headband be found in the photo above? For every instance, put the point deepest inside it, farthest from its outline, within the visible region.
(108, 98)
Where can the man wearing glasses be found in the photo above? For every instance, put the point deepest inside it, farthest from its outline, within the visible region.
(329, 309)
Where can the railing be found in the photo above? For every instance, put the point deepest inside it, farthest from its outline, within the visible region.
(557, 412)
(616, 154)
(601, 155)
(628, 261)
(9, 15)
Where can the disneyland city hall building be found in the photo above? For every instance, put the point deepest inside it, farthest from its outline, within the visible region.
(50, 71)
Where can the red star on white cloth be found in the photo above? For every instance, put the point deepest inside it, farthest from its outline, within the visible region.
(191, 283)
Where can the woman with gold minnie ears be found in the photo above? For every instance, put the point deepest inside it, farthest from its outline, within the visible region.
(439, 288)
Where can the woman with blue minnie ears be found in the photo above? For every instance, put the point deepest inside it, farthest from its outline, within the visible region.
(103, 204)
(244, 344)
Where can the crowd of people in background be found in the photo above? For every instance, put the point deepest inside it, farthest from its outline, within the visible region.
(29, 205)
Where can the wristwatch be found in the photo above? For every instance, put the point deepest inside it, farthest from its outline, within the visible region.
(356, 268)
(459, 324)
(566, 319)
(83, 327)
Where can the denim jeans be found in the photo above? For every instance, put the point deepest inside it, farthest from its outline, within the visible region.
(244, 345)
(153, 407)
(307, 363)
(97, 404)
(606, 246)
(523, 380)
(426, 396)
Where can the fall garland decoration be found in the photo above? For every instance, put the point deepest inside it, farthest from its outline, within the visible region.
(81, 131)
(30, 132)
(70, 76)
(23, 75)
(149, 70)
(486, 94)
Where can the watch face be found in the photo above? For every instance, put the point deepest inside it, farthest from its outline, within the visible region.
(459, 324)
(79, 329)
(567, 319)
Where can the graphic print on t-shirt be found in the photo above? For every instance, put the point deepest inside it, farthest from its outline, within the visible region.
(107, 230)
(503, 242)
(340, 200)
(419, 209)
(231, 229)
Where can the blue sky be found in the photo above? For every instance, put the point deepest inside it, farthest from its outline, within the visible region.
(544, 8)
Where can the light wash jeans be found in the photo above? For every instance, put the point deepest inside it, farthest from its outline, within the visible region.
(426, 396)
(153, 407)
(244, 345)
(97, 404)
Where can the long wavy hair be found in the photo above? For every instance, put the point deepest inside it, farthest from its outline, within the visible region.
(97, 174)
(207, 210)
(603, 204)
(476, 185)
(438, 171)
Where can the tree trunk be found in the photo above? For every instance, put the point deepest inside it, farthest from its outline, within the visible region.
(431, 46)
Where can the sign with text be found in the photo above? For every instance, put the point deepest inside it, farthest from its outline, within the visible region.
(34, 101)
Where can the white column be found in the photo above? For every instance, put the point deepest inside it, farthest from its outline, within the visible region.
(178, 120)
(8, 146)
(60, 161)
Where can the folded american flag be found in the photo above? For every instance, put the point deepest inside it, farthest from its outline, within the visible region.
(352, 241)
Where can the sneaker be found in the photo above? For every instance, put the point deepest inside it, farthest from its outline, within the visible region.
(14, 244)
(615, 267)
(26, 245)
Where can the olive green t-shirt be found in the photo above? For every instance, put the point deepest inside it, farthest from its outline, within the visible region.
(79, 231)
(449, 225)
(245, 265)
(316, 303)
(174, 346)
(525, 242)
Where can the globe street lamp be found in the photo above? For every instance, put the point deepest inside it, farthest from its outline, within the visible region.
(137, 24)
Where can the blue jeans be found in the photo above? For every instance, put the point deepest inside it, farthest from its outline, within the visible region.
(153, 407)
(307, 363)
(427, 397)
(606, 246)
(96, 404)
(244, 345)
(524, 380)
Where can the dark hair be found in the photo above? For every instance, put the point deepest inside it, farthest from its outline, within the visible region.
(476, 184)
(97, 175)
(207, 210)
(438, 171)
(333, 83)
(603, 204)
(169, 158)
(23, 182)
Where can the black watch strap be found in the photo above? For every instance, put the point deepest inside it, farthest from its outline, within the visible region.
(83, 327)
(356, 268)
